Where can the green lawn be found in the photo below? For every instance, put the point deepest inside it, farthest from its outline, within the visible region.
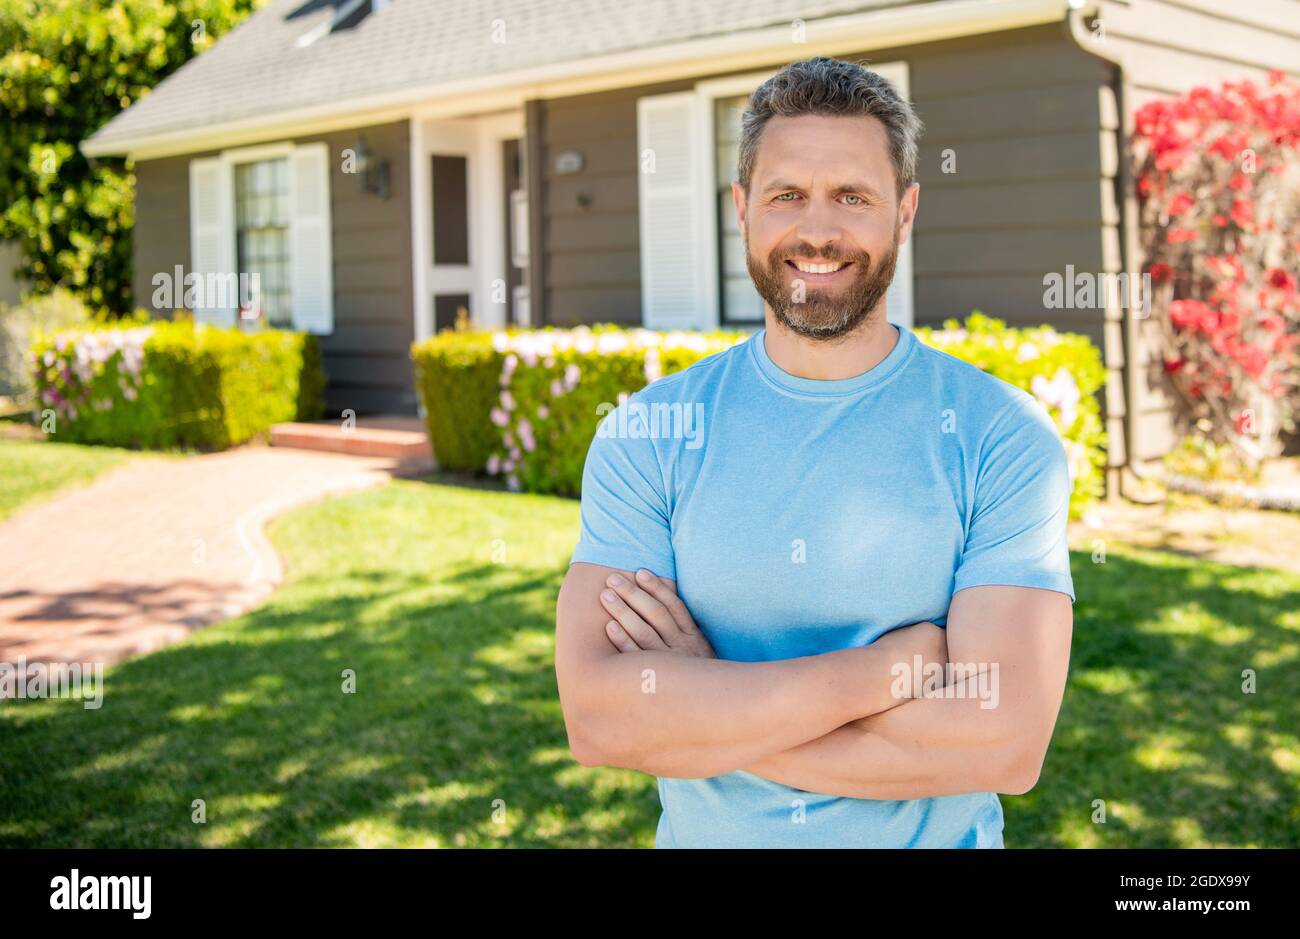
(441, 600)
(33, 470)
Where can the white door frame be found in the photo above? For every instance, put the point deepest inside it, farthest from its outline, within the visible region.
(479, 140)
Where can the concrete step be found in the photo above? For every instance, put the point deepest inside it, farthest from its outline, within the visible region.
(400, 439)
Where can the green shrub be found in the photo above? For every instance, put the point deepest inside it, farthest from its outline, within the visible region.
(461, 377)
(162, 385)
(457, 376)
(525, 404)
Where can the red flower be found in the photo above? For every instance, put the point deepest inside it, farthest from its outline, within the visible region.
(1180, 204)
(1160, 272)
(1283, 281)
(1177, 236)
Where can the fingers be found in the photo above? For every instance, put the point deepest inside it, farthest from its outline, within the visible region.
(619, 637)
(641, 632)
(659, 588)
(647, 607)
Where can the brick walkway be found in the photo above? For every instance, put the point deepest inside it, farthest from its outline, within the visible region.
(148, 553)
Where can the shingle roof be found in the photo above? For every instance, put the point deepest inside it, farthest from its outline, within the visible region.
(259, 68)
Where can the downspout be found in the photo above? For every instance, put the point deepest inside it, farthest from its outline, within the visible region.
(1079, 34)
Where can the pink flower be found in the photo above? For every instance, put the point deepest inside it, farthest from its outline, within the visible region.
(526, 436)
(556, 388)
(571, 375)
(543, 412)
(512, 482)
(499, 417)
(493, 465)
(507, 401)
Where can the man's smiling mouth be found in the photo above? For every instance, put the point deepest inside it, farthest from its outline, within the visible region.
(824, 269)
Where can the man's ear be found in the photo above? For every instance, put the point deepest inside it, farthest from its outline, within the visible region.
(739, 200)
(907, 207)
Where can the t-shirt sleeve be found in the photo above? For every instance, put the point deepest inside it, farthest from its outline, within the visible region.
(1018, 530)
(625, 511)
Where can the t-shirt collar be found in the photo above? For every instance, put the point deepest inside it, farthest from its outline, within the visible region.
(881, 372)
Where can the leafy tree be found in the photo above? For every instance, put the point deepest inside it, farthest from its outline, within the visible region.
(66, 67)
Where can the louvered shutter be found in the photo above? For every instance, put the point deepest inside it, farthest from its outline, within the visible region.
(311, 270)
(672, 200)
(212, 243)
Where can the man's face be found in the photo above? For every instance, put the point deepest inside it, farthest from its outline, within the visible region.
(822, 222)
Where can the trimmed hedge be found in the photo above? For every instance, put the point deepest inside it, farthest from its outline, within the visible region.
(525, 404)
(164, 385)
(558, 377)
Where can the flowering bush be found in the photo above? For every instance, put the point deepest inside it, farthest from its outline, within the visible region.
(1218, 176)
(1063, 371)
(173, 384)
(524, 405)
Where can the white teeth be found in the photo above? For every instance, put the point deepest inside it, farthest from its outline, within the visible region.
(819, 268)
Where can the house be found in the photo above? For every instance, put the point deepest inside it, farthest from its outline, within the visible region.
(390, 165)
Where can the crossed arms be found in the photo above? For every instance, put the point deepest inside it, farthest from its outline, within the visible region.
(649, 694)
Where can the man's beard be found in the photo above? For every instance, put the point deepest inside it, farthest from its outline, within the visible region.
(822, 314)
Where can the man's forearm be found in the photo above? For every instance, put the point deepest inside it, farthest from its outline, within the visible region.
(681, 716)
(926, 747)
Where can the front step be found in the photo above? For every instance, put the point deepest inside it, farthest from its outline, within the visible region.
(396, 439)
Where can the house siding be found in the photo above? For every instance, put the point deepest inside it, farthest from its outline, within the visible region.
(367, 357)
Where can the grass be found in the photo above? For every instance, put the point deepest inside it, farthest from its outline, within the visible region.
(440, 601)
(34, 470)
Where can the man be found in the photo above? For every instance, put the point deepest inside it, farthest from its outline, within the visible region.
(746, 618)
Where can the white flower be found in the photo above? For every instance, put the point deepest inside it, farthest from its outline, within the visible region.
(1061, 393)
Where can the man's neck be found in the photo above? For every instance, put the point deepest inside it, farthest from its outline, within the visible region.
(830, 360)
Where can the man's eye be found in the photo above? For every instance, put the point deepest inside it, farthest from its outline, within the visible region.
(860, 200)
(793, 195)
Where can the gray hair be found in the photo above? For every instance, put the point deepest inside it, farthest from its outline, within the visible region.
(834, 87)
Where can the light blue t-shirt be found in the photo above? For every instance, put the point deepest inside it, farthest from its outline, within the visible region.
(801, 516)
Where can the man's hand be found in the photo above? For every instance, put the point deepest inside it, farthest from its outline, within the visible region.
(648, 615)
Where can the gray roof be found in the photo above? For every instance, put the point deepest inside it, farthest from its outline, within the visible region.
(259, 68)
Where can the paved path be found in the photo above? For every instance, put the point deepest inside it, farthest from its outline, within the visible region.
(149, 552)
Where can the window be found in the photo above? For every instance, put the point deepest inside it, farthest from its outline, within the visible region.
(262, 234)
(265, 210)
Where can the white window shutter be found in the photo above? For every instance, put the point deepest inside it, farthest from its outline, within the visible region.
(672, 201)
(311, 262)
(212, 243)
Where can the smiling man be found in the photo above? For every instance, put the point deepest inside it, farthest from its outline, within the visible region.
(743, 618)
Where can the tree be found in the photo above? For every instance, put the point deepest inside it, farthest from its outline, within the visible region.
(66, 67)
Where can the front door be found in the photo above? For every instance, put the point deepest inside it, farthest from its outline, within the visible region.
(450, 163)
(472, 241)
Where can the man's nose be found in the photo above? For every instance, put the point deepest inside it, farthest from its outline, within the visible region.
(819, 227)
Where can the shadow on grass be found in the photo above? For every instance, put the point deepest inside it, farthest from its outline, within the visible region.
(1155, 722)
(456, 707)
